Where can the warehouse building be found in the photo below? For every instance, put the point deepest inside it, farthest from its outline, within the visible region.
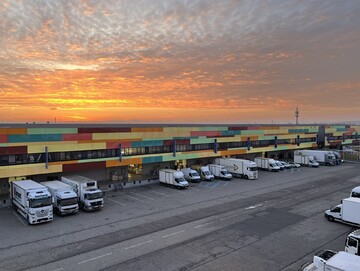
(125, 155)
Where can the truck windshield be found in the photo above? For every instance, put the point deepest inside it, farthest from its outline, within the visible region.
(97, 195)
(207, 173)
(42, 202)
(253, 168)
(224, 172)
(67, 202)
(195, 174)
(180, 180)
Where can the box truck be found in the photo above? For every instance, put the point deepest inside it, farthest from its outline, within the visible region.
(239, 167)
(305, 160)
(204, 172)
(266, 164)
(331, 261)
(174, 178)
(326, 158)
(191, 175)
(32, 200)
(65, 200)
(220, 172)
(352, 244)
(347, 212)
(90, 197)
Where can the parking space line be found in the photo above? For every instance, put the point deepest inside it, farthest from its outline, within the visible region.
(159, 193)
(115, 201)
(95, 258)
(142, 196)
(143, 243)
(59, 269)
(20, 218)
(228, 217)
(171, 234)
(202, 225)
(225, 183)
(216, 184)
(133, 198)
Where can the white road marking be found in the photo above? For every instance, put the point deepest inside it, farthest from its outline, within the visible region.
(228, 217)
(59, 269)
(116, 201)
(95, 258)
(133, 198)
(253, 206)
(139, 244)
(171, 234)
(202, 225)
(159, 193)
(143, 196)
(21, 220)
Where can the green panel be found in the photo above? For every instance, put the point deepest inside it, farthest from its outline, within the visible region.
(252, 132)
(154, 159)
(146, 143)
(272, 137)
(201, 140)
(95, 160)
(52, 131)
(212, 128)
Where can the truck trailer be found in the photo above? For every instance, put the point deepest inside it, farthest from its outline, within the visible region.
(347, 212)
(174, 178)
(266, 164)
(305, 160)
(326, 158)
(90, 197)
(32, 200)
(65, 200)
(239, 167)
(220, 172)
(331, 261)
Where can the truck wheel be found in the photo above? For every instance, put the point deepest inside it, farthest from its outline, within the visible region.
(331, 218)
(246, 177)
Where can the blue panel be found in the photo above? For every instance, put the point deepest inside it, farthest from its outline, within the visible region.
(17, 138)
(147, 143)
(341, 129)
(34, 138)
(153, 159)
(54, 137)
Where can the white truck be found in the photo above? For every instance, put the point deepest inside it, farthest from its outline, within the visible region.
(266, 164)
(90, 197)
(305, 160)
(355, 193)
(352, 244)
(204, 172)
(65, 200)
(331, 261)
(326, 158)
(239, 167)
(220, 172)
(191, 175)
(32, 200)
(174, 178)
(348, 212)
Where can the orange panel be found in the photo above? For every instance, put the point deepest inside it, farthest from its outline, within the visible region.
(13, 131)
(232, 152)
(124, 162)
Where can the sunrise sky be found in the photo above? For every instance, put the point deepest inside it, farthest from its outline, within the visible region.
(179, 61)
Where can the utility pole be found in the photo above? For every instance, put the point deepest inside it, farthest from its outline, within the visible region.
(297, 112)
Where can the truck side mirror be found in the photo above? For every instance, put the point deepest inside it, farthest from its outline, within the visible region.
(27, 203)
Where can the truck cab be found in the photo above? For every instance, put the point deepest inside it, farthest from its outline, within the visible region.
(91, 199)
(312, 162)
(206, 174)
(355, 193)
(352, 244)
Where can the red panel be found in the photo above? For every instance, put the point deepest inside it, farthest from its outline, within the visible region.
(237, 128)
(84, 166)
(115, 145)
(13, 150)
(76, 137)
(104, 130)
(178, 142)
(205, 133)
(3, 138)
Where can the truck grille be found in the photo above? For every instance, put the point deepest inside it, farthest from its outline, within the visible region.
(42, 213)
(96, 203)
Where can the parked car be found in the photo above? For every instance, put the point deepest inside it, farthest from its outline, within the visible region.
(279, 164)
(285, 164)
(294, 165)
